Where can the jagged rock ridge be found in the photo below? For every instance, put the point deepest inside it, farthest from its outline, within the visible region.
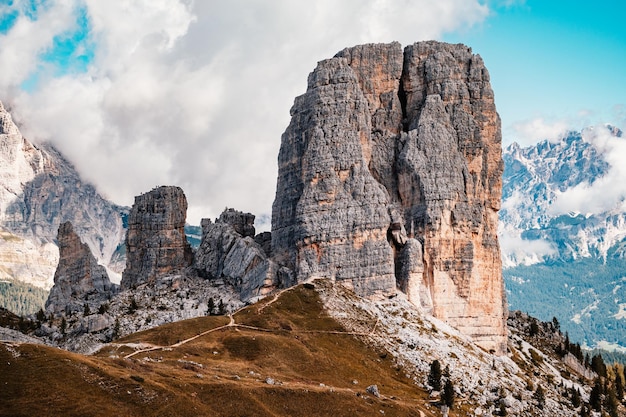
(390, 175)
(78, 281)
(39, 190)
(230, 251)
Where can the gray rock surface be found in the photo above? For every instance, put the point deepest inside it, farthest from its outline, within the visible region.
(78, 281)
(243, 223)
(156, 244)
(236, 258)
(384, 137)
(39, 190)
(330, 216)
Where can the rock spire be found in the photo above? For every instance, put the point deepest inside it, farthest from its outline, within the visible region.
(156, 244)
(390, 177)
(78, 280)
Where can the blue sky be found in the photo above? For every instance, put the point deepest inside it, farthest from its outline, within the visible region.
(70, 51)
(197, 94)
(556, 60)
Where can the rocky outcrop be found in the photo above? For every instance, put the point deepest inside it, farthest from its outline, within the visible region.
(230, 252)
(156, 244)
(390, 175)
(39, 190)
(242, 223)
(78, 281)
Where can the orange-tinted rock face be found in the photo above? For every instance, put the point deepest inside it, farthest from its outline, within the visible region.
(412, 139)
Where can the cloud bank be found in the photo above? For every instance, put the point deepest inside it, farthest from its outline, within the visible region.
(606, 193)
(529, 132)
(153, 92)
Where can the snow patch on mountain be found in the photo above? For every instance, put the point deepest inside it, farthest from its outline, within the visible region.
(564, 199)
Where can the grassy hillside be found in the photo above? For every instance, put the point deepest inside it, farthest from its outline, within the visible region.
(280, 357)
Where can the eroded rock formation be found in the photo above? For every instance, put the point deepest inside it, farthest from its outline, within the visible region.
(230, 252)
(390, 176)
(78, 281)
(156, 244)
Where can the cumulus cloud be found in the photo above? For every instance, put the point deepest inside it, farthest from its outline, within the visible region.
(528, 132)
(195, 94)
(515, 250)
(606, 193)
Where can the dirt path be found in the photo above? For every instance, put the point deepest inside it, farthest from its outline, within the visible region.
(233, 324)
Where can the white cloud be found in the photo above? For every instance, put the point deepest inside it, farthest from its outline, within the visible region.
(529, 132)
(516, 251)
(195, 94)
(606, 193)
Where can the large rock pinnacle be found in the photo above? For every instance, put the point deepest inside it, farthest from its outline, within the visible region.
(78, 280)
(156, 244)
(390, 177)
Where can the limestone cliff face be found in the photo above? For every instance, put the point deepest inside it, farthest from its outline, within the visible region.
(156, 244)
(39, 190)
(230, 252)
(390, 176)
(78, 280)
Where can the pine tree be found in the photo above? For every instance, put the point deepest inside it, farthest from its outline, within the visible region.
(211, 306)
(598, 366)
(595, 398)
(86, 310)
(534, 328)
(116, 329)
(575, 398)
(448, 394)
(41, 316)
(434, 377)
(578, 352)
(133, 306)
(619, 386)
(610, 403)
(63, 326)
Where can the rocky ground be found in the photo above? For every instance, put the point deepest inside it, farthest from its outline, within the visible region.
(482, 381)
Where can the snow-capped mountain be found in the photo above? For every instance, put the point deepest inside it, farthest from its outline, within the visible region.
(538, 221)
(563, 232)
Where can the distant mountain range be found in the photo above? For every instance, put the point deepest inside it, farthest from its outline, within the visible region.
(40, 189)
(563, 233)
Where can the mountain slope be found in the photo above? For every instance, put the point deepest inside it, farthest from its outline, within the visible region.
(314, 349)
(563, 231)
(40, 189)
(295, 366)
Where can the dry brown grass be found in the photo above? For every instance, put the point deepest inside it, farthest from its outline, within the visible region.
(222, 373)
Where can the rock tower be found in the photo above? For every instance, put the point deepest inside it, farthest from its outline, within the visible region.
(390, 177)
(156, 244)
(78, 280)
